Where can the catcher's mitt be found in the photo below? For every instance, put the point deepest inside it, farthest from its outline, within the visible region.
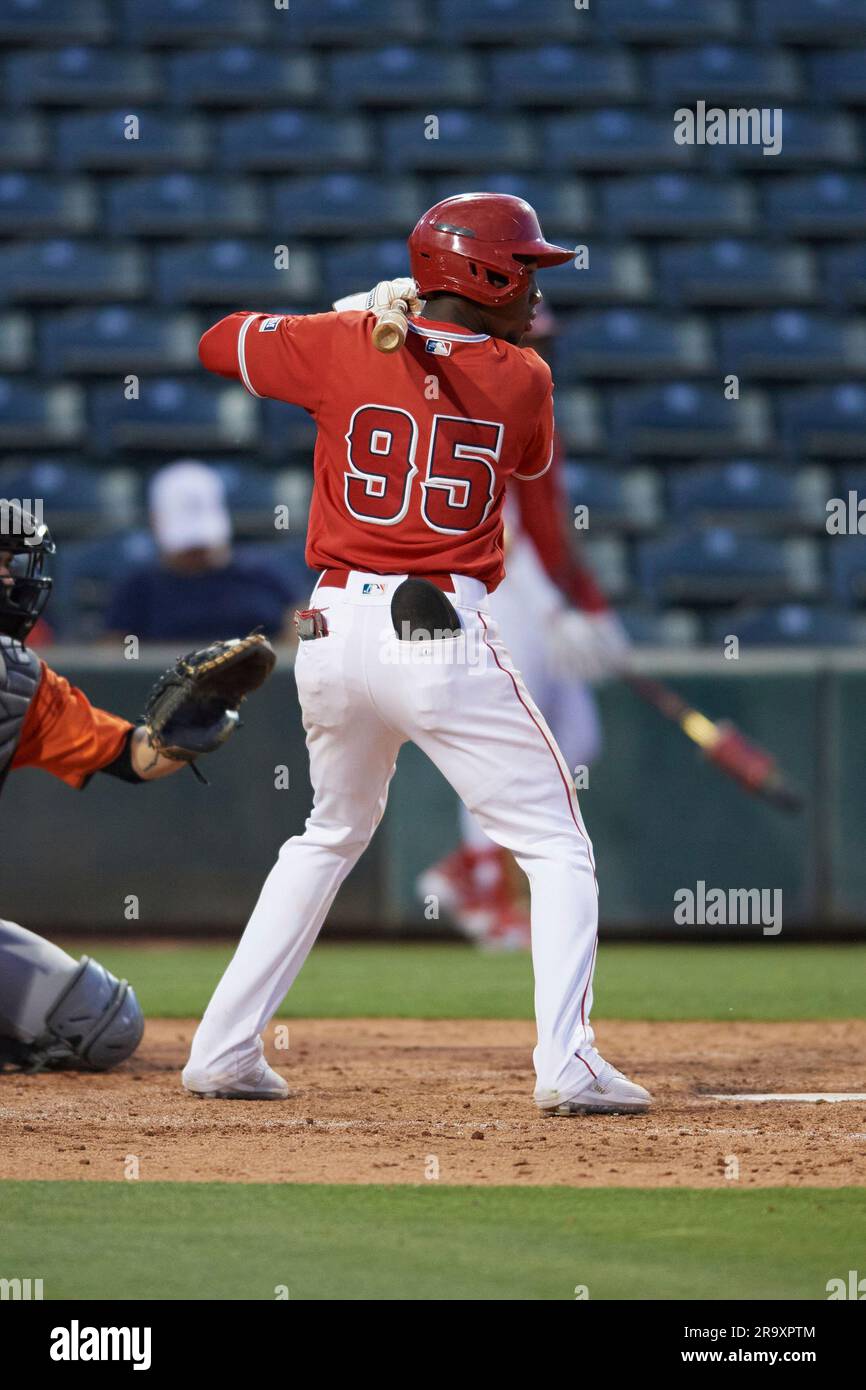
(193, 708)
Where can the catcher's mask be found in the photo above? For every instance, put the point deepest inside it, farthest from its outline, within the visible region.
(25, 544)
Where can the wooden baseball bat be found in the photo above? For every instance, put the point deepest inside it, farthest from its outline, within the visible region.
(391, 327)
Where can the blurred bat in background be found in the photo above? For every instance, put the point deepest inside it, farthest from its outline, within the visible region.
(722, 744)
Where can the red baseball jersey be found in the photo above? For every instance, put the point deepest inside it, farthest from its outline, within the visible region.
(413, 448)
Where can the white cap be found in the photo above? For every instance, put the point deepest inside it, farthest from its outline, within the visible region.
(188, 508)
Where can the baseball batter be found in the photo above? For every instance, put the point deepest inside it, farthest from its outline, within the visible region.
(413, 455)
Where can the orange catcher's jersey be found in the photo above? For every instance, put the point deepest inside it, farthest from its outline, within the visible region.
(65, 734)
(414, 448)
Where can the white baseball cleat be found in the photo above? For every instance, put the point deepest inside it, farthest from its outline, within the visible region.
(606, 1093)
(261, 1083)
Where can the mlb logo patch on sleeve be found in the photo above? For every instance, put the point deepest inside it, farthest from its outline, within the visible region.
(438, 346)
(269, 325)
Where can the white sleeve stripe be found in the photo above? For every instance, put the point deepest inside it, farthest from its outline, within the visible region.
(529, 477)
(242, 358)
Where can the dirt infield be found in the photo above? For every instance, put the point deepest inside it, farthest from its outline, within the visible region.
(397, 1101)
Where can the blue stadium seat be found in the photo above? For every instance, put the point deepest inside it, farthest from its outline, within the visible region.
(792, 343)
(672, 21)
(284, 558)
(173, 415)
(620, 500)
(464, 141)
(748, 495)
(616, 274)
(241, 76)
(809, 139)
(283, 140)
(724, 74)
(63, 270)
(39, 417)
(81, 76)
(607, 558)
(99, 141)
(23, 143)
(561, 75)
(36, 204)
(724, 566)
(848, 568)
(845, 275)
(612, 139)
(811, 21)
(351, 22)
(46, 22)
(193, 21)
(672, 627)
(250, 495)
(359, 265)
(86, 573)
(76, 498)
(118, 339)
(287, 430)
(828, 420)
(403, 76)
(677, 205)
(235, 273)
(345, 205)
(182, 205)
(16, 342)
(684, 419)
(631, 343)
(511, 21)
(838, 77)
(726, 272)
(563, 205)
(580, 420)
(820, 205)
(787, 625)
(853, 479)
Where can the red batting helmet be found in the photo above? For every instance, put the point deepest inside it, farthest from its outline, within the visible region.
(476, 244)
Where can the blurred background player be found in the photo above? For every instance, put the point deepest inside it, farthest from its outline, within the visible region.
(563, 636)
(197, 585)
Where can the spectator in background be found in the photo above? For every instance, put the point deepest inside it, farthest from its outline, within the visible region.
(197, 588)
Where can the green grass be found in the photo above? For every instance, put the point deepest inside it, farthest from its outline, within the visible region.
(770, 980)
(214, 1240)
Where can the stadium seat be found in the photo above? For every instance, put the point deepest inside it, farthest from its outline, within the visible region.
(607, 557)
(672, 21)
(827, 420)
(561, 75)
(749, 495)
(23, 143)
(345, 205)
(283, 140)
(102, 141)
(683, 419)
(79, 76)
(288, 432)
(351, 22)
(173, 415)
(16, 342)
(250, 495)
(852, 479)
(631, 343)
(848, 568)
(76, 498)
(720, 565)
(563, 205)
(360, 264)
(192, 21)
(838, 76)
(182, 205)
(46, 22)
(820, 205)
(611, 140)
(64, 271)
(671, 627)
(724, 74)
(463, 141)
(580, 420)
(39, 204)
(403, 76)
(511, 21)
(726, 272)
(809, 139)
(787, 625)
(792, 343)
(86, 573)
(39, 417)
(845, 275)
(677, 205)
(625, 501)
(118, 339)
(235, 273)
(241, 76)
(811, 21)
(616, 274)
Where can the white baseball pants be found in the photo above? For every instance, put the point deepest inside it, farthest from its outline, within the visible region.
(363, 694)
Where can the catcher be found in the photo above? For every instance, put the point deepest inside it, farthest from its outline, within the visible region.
(55, 1011)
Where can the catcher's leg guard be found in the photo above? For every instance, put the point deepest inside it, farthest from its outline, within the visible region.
(420, 611)
(59, 1012)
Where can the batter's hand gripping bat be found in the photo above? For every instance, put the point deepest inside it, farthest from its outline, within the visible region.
(391, 327)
